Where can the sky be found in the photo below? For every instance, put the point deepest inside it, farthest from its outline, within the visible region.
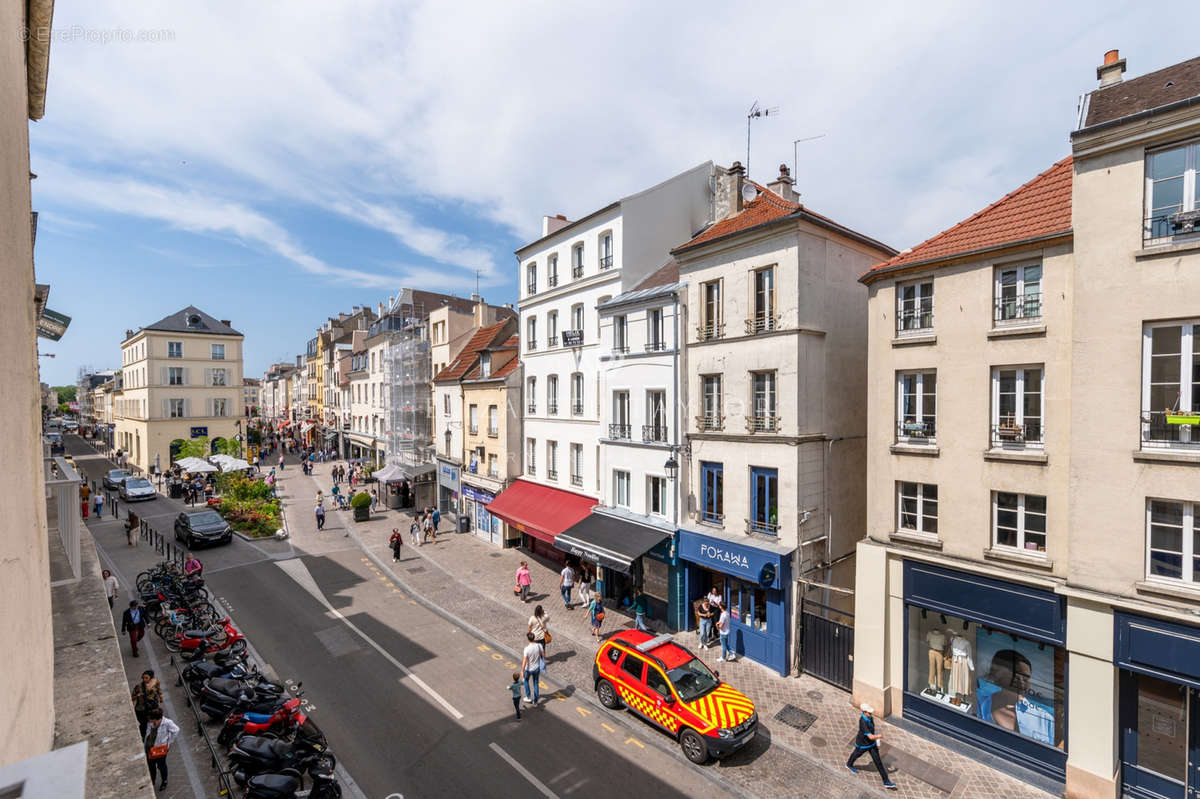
(273, 163)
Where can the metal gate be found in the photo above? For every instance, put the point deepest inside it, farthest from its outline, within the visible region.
(827, 646)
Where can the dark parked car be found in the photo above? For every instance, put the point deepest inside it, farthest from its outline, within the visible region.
(114, 477)
(137, 488)
(202, 526)
(56, 443)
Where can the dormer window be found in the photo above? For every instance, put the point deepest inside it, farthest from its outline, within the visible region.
(193, 320)
(485, 364)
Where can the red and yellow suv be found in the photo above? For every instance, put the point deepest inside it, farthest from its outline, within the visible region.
(669, 686)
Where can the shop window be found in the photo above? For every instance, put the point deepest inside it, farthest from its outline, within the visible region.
(995, 677)
(1162, 727)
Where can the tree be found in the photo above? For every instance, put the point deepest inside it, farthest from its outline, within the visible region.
(64, 408)
(227, 446)
(65, 393)
(193, 448)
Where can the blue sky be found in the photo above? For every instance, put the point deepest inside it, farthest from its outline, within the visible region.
(273, 163)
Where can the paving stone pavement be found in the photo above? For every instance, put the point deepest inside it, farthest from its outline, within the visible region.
(472, 580)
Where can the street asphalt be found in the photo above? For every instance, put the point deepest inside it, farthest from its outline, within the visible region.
(412, 704)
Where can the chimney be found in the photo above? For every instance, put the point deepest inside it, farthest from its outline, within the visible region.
(128, 333)
(553, 224)
(381, 311)
(783, 185)
(226, 323)
(481, 311)
(1110, 71)
(728, 200)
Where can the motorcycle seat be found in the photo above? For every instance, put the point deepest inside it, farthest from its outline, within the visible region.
(269, 786)
(256, 718)
(199, 633)
(265, 748)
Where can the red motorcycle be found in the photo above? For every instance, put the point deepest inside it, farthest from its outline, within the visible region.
(286, 719)
(224, 637)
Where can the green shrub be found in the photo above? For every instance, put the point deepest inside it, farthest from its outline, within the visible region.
(361, 500)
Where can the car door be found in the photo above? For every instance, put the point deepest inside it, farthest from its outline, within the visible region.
(659, 691)
(631, 684)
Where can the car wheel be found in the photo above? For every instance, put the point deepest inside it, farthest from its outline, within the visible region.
(608, 695)
(694, 748)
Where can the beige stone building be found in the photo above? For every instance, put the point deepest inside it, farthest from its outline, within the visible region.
(1028, 580)
(182, 379)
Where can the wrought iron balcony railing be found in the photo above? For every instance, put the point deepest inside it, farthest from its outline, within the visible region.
(606, 262)
(761, 323)
(620, 432)
(552, 341)
(577, 270)
(531, 288)
(577, 408)
(761, 527)
(1025, 308)
(710, 422)
(552, 474)
(552, 280)
(911, 321)
(1008, 433)
(710, 332)
(552, 408)
(577, 479)
(1165, 225)
(762, 424)
(913, 430)
(1169, 429)
(656, 346)
(531, 407)
(654, 433)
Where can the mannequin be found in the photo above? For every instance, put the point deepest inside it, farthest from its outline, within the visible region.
(936, 639)
(961, 667)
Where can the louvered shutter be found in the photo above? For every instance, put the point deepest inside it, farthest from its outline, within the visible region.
(166, 411)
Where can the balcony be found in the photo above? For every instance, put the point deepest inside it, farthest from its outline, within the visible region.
(1164, 226)
(654, 433)
(1170, 430)
(552, 474)
(552, 280)
(493, 432)
(552, 408)
(1018, 310)
(473, 430)
(912, 430)
(710, 332)
(577, 479)
(577, 408)
(531, 289)
(531, 408)
(577, 270)
(606, 262)
(620, 432)
(531, 344)
(762, 424)
(656, 346)
(620, 349)
(710, 423)
(914, 321)
(531, 468)
(762, 323)
(1009, 434)
(762, 528)
(552, 341)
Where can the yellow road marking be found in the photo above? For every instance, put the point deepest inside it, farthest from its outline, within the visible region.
(497, 656)
(639, 744)
(605, 726)
(583, 711)
(484, 648)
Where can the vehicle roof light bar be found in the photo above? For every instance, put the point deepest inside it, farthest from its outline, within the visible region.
(655, 643)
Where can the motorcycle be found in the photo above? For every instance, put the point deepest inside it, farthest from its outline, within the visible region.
(223, 638)
(288, 783)
(219, 697)
(261, 754)
(223, 664)
(286, 717)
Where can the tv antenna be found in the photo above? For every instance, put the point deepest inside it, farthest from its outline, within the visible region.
(476, 282)
(795, 150)
(756, 111)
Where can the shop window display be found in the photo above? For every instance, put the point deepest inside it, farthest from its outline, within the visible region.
(1005, 680)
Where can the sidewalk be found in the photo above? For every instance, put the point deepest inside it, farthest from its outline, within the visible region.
(472, 580)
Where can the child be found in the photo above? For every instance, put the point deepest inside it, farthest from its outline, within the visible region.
(515, 690)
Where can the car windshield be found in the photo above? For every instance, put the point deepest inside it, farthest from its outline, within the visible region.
(118, 474)
(138, 482)
(206, 518)
(693, 680)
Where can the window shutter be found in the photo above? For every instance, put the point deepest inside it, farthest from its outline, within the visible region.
(183, 371)
(187, 408)
(208, 377)
(166, 409)
(166, 375)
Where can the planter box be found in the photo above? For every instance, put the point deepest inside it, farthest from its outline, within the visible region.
(362, 514)
(1183, 418)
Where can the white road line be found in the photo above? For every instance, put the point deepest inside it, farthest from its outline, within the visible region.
(524, 772)
(296, 569)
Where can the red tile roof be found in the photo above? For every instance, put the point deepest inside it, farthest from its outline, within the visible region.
(665, 275)
(766, 207)
(466, 359)
(507, 369)
(1040, 208)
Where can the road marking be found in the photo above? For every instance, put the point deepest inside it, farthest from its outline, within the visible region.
(605, 726)
(524, 772)
(296, 569)
(583, 711)
(484, 648)
(640, 745)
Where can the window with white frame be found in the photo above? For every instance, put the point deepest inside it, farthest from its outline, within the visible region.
(656, 417)
(219, 407)
(493, 421)
(656, 496)
(552, 270)
(531, 456)
(175, 376)
(606, 250)
(552, 460)
(1173, 540)
(531, 279)
(530, 393)
(763, 317)
(493, 465)
(445, 402)
(1171, 384)
(1017, 405)
(1018, 294)
(621, 488)
(218, 352)
(577, 318)
(552, 394)
(485, 364)
(577, 260)
(619, 428)
(764, 417)
(531, 333)
(1019, 521)
(1172, 191)
(712, 417)
(917, 508)
(916, 406)
(577, 394)
(712, 323)
(552, 329)
(175, 409)
(577, 464)
(218, 377)
(473, 415)
(655, 334)
(174, 349)
(620, 334)
(914, 306)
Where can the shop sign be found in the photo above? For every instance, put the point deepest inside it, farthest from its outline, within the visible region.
(199, 432)
(749, 563)
(479, 495)
(448, 476)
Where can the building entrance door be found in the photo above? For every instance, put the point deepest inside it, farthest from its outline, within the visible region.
(1160, 738)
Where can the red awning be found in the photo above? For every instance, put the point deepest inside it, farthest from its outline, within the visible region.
(540, 511)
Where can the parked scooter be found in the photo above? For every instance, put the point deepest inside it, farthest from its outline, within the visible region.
(223, 664)
(288, 784)
(256, 754)
(219, 697)
(286, 718)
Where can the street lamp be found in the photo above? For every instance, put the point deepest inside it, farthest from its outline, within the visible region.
(672, 467)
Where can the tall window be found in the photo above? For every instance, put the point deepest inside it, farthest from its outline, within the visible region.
(914, 306)
(1017, 406)
(764, 301)
(552, 395)
(621, 488)
(1019, 293)
(764, 500)
(917, 508)
(619, 428)
(530, 456)
(764, 418)
(1172, 190)
(916, 406)
(218, 352)
(531, 333)
(219, 407)
(530, 393)
(1171, 384)
(552, 329)
(217, 377)
(493, 465)
(473, 415)
(712, 492)
(445, 401)
(655, 339)
(1173, 540)
(175, 408)
(577, 318)
(656, 496)
(552, 270)
(711, 321)
(445, 436)
(577, 260)
(577, 464)
(606, 251)
(552, 460)
(175, 376)
(493, 421)
(1019, 521)
(656, 415)
(710, 391)
(577, 394)
(174, 349)
(620, 334)
(531, 279)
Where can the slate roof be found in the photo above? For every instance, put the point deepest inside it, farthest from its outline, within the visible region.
(177, 323)
(466, 358)
(1144, 93)
(1040, 208)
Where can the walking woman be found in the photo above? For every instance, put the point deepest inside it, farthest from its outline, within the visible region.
(524, 580)
(596, 614)
(538, 628)
(147, 696)
(414, 533)
(397, 541)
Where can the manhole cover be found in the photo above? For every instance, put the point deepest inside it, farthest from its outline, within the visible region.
(795, 717)
(815, 696)
(416, 570)
(476, 571)
(495, 555)
(817, 740)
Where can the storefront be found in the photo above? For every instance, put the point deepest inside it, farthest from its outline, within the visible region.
(1159, 664)
(540, 513)
(756, 585)
(986, 664)
(423, 483)
(481, 522)
(448, 486)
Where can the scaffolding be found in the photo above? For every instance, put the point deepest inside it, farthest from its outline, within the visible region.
(407, 373)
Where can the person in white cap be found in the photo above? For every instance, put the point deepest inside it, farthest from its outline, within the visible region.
(867, 742)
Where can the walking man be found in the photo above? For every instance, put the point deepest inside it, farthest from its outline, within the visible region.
(723, 632)
(281, 461)
(320, 512)
(533, 660)
(566, 581)
(110, 586)
(133, 621)
(437, 519)
(99, 503)
(159, 737)
(867, 742)
(641, 606)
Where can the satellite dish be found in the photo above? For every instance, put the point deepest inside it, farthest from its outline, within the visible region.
(749, 193)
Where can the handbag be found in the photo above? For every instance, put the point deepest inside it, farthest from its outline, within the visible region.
(548, 639)
(517, 590)
(156, 752)
(600, 615)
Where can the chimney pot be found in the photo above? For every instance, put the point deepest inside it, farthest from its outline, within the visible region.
(1110, 71)
(1112, 56)
(783, 185)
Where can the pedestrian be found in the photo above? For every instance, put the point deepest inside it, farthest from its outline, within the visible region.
(723, 632)
(110, 586)
(533, 662)
(515, 690)
(596, 614)
(714, 597)
(397, 541)
(437, 519)
(335, 491)
(130, 520)
(566, 581)
(641, 608)
(281, 461)
(320, 512)
(99, 505)
(586, 586)
(192, 567)
(538, 628)
(84, 494)
(427, 528)
(374, 499)
(133, 621)
(706, 622)
(147, 696)
(161, 735)
(414, 533)
(867, 743)
(524, 581)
